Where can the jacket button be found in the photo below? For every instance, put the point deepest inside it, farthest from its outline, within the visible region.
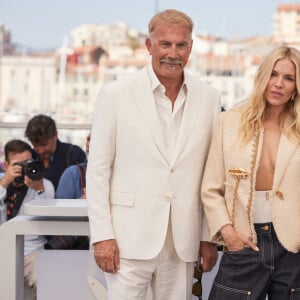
(279, 194)
(168, 197)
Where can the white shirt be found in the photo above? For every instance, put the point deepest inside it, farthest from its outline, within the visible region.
(170, 119)
(31, 242)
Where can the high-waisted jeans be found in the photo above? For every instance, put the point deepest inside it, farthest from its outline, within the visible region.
(251, 275)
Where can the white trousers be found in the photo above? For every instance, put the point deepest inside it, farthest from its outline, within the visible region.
(167, 275)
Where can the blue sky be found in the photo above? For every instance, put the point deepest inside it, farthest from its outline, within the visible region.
(42, 24)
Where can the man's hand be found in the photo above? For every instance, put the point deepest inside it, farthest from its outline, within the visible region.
(106, 255)
(208, 256)
(12, 171)
(83, 196)
(37, 185)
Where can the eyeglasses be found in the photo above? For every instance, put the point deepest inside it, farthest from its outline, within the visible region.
(197, 286)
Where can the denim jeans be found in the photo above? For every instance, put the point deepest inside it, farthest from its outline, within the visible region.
(247, 274)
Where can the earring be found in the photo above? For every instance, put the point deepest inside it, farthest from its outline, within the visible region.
(293, 96)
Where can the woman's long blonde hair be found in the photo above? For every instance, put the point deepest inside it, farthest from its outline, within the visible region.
(254, 109)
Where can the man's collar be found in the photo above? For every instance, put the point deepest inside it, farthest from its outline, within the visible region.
(155, 83)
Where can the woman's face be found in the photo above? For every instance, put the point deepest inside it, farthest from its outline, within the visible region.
(282, 83)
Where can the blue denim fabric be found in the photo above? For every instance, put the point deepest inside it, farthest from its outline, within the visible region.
(247, 274)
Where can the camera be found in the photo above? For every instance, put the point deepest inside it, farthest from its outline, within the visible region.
(35, 170)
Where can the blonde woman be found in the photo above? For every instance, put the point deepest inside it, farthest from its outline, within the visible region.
(251, 186)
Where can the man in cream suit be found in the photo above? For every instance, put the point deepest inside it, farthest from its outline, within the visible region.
(150, 138)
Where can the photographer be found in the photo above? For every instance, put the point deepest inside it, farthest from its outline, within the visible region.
(55, 155)
(23, 181)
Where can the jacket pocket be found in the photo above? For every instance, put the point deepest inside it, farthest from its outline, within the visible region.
(120, 198)
(245, 250)
(228, 293)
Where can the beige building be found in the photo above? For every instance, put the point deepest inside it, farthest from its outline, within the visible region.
(286, 24)
(27, 84)
(101, 35)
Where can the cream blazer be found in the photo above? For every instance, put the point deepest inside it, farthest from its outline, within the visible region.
(132, 188)
(231, 173)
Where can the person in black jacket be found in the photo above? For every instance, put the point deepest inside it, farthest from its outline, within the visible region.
(56, 156)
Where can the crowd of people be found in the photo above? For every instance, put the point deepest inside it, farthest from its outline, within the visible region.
(34, 172)
(172, 177)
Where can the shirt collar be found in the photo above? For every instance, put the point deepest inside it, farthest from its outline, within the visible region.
(155, 83)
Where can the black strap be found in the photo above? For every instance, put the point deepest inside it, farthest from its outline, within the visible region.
(69, 155)
(14, 199)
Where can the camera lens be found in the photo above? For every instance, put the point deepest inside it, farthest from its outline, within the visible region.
(35, 170)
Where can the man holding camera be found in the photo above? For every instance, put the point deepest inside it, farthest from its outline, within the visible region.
(56, 156)
(23, 181)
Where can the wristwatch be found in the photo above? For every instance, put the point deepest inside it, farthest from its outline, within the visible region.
(40, 192)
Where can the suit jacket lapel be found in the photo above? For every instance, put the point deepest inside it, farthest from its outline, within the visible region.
(189, 118)
(285, 151)
(145, 102)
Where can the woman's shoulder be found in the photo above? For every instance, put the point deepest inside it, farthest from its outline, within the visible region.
(231, 115)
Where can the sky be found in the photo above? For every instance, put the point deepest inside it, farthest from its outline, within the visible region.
(43, 24)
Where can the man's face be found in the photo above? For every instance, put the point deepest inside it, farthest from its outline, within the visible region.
(46, 148)
(14, 159)
(170, 47)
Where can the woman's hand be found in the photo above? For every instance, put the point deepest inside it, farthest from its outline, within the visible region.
(234, 241)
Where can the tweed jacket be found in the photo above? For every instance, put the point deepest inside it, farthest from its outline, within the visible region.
(228, 187)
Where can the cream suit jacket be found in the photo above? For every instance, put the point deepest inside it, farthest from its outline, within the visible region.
(219, 184)
(132, 188)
